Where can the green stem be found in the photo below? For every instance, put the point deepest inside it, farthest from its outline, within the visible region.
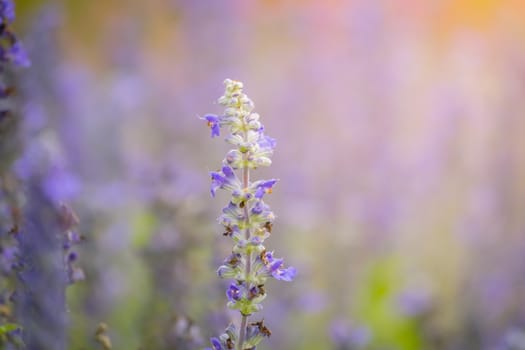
(248, 266)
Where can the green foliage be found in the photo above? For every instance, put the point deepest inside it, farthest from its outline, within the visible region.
(376, 309)
(144, 224)
(8, 327)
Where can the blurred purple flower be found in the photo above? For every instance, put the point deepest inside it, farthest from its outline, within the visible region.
(7, 11)
(18, 55)
(348, 337)
(266, 143)
(313, 301)
(414, 301)
(60, 185)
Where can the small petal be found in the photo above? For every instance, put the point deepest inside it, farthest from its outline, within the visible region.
(217, 181)
(225, 179)
(213, 123)
(286, 275)
(264, 187)
(216, 344)
(275, 265)
(228, 171)
(266, 142)
(257, 208)
(18, 55)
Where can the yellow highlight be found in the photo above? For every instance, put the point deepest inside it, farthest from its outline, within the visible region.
(479, 15)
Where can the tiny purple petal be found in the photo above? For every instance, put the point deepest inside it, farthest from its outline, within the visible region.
(269, 256)
(228, 172)
(275, 265)
(213, 123)
(72, 256)
(264, 187)
(18, 55)
(257, 208)
(222, 270)
(255, 240)
(266, 142)
(216, 344)
(286, 275)
(217, 181)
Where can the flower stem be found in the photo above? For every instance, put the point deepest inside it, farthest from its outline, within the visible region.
(242, 332)
(244, 318)
(248, 266)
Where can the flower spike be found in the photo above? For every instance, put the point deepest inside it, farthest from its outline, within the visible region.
(247, 219)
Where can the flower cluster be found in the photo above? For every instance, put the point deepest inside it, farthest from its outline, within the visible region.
(247, 219)
(11, 54)
(11, 50)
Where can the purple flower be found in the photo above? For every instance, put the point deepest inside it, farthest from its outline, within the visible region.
(216, 344)
(213, 123)
(225, 179)
(266, 142)
(18, 55)
(258, 208)
(225, 271)
(286, 275)
(7, 10)
(345, 335)
(72, 256)
(60, 184)
(231, 215)
(226, 341)
(414, 301)
(263, 187)
(275, 268)
(261, 213)
(233, 293)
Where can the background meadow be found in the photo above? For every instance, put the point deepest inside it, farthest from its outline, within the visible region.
(400, 151)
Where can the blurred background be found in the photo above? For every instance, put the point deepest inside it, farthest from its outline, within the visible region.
(400, 130)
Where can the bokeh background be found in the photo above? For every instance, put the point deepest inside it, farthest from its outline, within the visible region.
(401, 158)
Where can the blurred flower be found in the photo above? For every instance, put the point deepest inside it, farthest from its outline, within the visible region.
(7, 11)
(347, 337)
(514, 339)
(414, 301)
(11, 50)
(18, 55)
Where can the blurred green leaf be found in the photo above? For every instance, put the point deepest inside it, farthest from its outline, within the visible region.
(377, 308)
(144, 224)
(8, 327)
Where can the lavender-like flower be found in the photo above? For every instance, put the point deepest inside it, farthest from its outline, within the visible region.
(246, 218)
(11, 49)
(12, 54)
